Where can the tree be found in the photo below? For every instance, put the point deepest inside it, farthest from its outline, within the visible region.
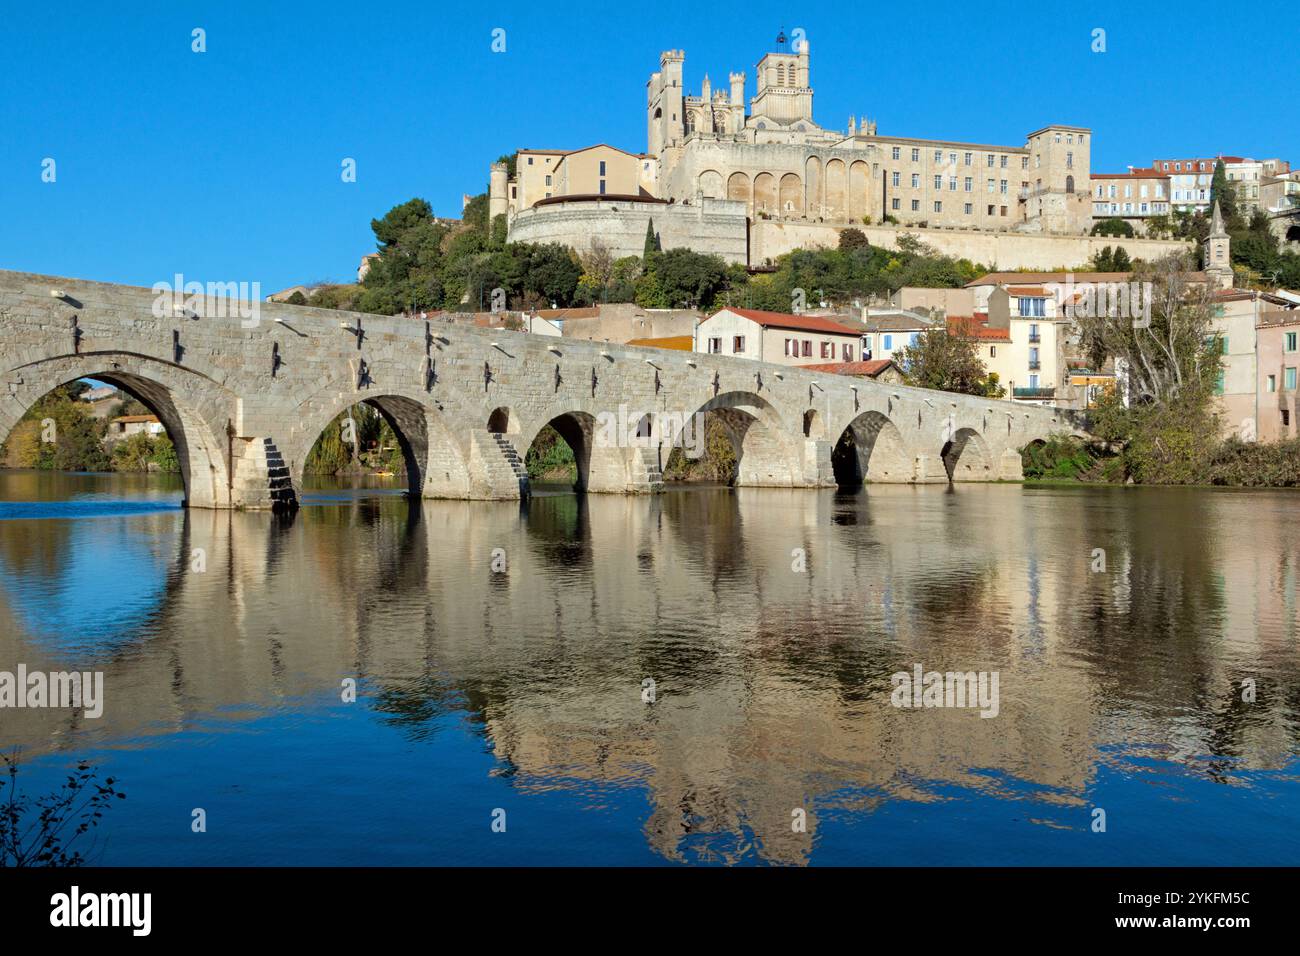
(1113, 227)
(1112, 260)
(1175, 358)
(651, 240)
(853, 239)
(948, 362)
(1224, 193)
(689, 279)
(42, 832)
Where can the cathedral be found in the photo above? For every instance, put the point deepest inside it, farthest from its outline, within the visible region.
(782, 164)
(748, 176)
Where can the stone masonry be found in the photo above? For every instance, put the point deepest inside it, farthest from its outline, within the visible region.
(244, 399)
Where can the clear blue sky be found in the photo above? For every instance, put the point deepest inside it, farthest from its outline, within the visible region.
(225, 165)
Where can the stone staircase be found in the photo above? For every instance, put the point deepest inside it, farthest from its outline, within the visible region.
(511, 456)
(496, 471)
(653, 483)
(278, 480)
(261, 476)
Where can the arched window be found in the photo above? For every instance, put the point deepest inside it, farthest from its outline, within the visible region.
(780, 74)
(1069, 184)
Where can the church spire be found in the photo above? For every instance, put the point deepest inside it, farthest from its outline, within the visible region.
(1216, 222)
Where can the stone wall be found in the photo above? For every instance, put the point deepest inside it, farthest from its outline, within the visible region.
(716, 226)
(999, 251)
(245, 399)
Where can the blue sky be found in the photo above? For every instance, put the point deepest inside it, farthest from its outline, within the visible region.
(225, 165)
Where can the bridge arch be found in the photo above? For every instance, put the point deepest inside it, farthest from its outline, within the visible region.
(761, 441)
(193, 408)
(871, 448)
(966, 457)
(435, 461)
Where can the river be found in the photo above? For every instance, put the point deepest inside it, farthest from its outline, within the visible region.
(502, 657)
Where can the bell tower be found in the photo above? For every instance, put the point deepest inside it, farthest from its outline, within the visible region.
(1218, 261)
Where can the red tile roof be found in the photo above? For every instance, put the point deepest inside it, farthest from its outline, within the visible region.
(869, 369)
(784, 320)
(971, 327)
(1026, 290)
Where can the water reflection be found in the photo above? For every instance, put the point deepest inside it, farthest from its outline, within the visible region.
(770, 622)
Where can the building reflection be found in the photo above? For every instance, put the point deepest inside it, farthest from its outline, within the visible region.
(770, 622)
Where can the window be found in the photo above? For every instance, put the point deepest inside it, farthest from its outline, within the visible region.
(938, 182)
(916, 155)
(847, 352)
(1024, 162)
(1290, 341)
(896, 153)
(952, 184)
(1003, 163)
(938, 156)
(969, 184)
(894, 204)
(967, 158)
(1069, 160)
(952, 159)
(602, 187)
(791, 347)
(807, 348)
(530, 160)
(916, 180)
(916, 205)
(938, 206)
(968, 209)
(548, 180)
(1004, 211)
(1002, 187)
(1218, 383)
(715, 346)
(1033, 357)
(1289, 381)
(894, 180)
(1272, 383)
(737, 345)
(992, 185)
(602, 167)
(990, 160)
(828, 350)
(1033, 306)
(993, 351)
(1286, 418)
(993, 210)
(888, 343)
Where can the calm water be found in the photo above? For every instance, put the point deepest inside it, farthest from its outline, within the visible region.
(522, 690)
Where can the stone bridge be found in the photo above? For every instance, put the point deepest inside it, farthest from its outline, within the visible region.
(244, 399)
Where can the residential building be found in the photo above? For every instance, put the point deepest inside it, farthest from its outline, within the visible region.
(1278, 365)
(778, 337)
(879, 370)
(1133, 196)
(124, 426)
(1245, 324)
(885, 332)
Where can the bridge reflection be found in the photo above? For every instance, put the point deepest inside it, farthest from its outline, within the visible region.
(772, 682)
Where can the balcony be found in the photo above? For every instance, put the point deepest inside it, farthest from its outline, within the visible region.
(1035, 366)
(1035, 337)
(1033, 393)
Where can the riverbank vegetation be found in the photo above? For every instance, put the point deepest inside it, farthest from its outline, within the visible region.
(358, 441)
(60, 433)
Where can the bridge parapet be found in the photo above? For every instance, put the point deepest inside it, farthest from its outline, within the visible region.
(224, 386)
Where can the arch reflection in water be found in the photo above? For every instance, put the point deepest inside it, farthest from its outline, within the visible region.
(523, 686)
